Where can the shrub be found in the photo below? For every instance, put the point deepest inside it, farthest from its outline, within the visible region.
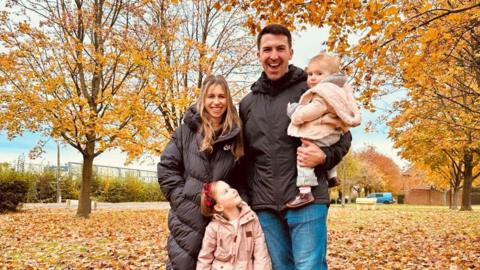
(152, 192)
(112, 190)
(9, 175)
(400, 198)
(41, 187)
(12, 194)
(127, 189)
(70, 188)
(46, 187)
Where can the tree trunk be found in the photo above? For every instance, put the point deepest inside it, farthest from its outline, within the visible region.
(84, 202)
(454, 199)
(450, 198)
(467, 181)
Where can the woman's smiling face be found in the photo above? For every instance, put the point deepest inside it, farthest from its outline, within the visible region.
(216, 102)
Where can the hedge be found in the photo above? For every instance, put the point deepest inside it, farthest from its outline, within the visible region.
(12, 194)
(41, 187)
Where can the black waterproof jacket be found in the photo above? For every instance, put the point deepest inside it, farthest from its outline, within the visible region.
(181, 173)
(270, 162)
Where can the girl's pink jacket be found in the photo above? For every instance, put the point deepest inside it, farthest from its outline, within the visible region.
(225, 249)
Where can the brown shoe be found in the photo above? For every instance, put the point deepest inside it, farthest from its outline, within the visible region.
(300, 200)
(333, 182)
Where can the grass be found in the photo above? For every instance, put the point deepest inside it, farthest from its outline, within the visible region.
(391, 237)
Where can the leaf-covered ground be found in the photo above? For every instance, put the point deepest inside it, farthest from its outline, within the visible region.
(404, 237)
(392, 237)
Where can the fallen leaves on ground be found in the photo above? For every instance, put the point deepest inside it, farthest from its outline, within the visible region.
(56, 239)
(403, 237)
(393, 237)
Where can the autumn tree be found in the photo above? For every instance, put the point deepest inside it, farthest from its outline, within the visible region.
(428, 134)
(391, 175)
(446, 173)
(414, 176)
(428, 48)
(368, 171)
(347, 171)
(114, 74)
(202, 37)
(369, 178)
(79, 71)
(379, 39)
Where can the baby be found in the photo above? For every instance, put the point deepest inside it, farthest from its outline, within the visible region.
(324, 113)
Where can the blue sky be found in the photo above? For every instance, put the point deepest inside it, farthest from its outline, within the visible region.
(306, 44)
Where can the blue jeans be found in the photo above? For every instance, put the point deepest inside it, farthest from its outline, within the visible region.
(296, 238)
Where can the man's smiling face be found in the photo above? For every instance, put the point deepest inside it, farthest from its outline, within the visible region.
(274, 55)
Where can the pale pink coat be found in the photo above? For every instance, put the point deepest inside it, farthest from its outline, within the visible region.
(324, 110)
(226, 249)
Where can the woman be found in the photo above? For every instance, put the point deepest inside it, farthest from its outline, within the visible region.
(204, 148)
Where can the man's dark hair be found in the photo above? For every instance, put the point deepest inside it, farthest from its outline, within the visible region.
(275, 29)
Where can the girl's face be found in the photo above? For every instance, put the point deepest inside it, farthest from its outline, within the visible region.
(317, 71)
(216, 102)
(225, 197)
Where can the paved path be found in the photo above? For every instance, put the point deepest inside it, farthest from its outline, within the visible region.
(103, 205)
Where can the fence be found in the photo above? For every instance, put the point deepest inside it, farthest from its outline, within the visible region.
(74, 169)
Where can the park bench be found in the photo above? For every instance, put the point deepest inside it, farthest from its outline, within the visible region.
(71, 203)
(369, 203)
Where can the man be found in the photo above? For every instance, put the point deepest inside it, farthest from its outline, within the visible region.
(296, 238)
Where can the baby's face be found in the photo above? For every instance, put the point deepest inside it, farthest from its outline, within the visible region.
(317, 71)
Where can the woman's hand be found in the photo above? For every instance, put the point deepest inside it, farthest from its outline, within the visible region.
(310, 155)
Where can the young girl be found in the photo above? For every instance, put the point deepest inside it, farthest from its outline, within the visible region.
(234, 239)
(325, 112)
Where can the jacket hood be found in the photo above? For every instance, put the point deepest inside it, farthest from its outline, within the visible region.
(246, 215)
(193, 120)
(267, 86)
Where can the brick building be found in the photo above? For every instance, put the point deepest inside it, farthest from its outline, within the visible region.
(431, 196)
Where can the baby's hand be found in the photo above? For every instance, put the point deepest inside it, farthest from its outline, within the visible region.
(291, 108)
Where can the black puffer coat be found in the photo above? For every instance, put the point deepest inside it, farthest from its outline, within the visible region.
(181, 173)
(270, 161)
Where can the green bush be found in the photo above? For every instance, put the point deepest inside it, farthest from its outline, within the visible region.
(70, 188)
(128, 189)
(400, 199)
(42, 187)
(46, 187)
(12, 194)
(9, 175)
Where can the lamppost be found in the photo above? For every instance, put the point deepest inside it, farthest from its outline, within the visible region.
(344, 180)
(59, 192)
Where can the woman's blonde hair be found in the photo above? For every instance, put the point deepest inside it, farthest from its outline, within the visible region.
(230, 119)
